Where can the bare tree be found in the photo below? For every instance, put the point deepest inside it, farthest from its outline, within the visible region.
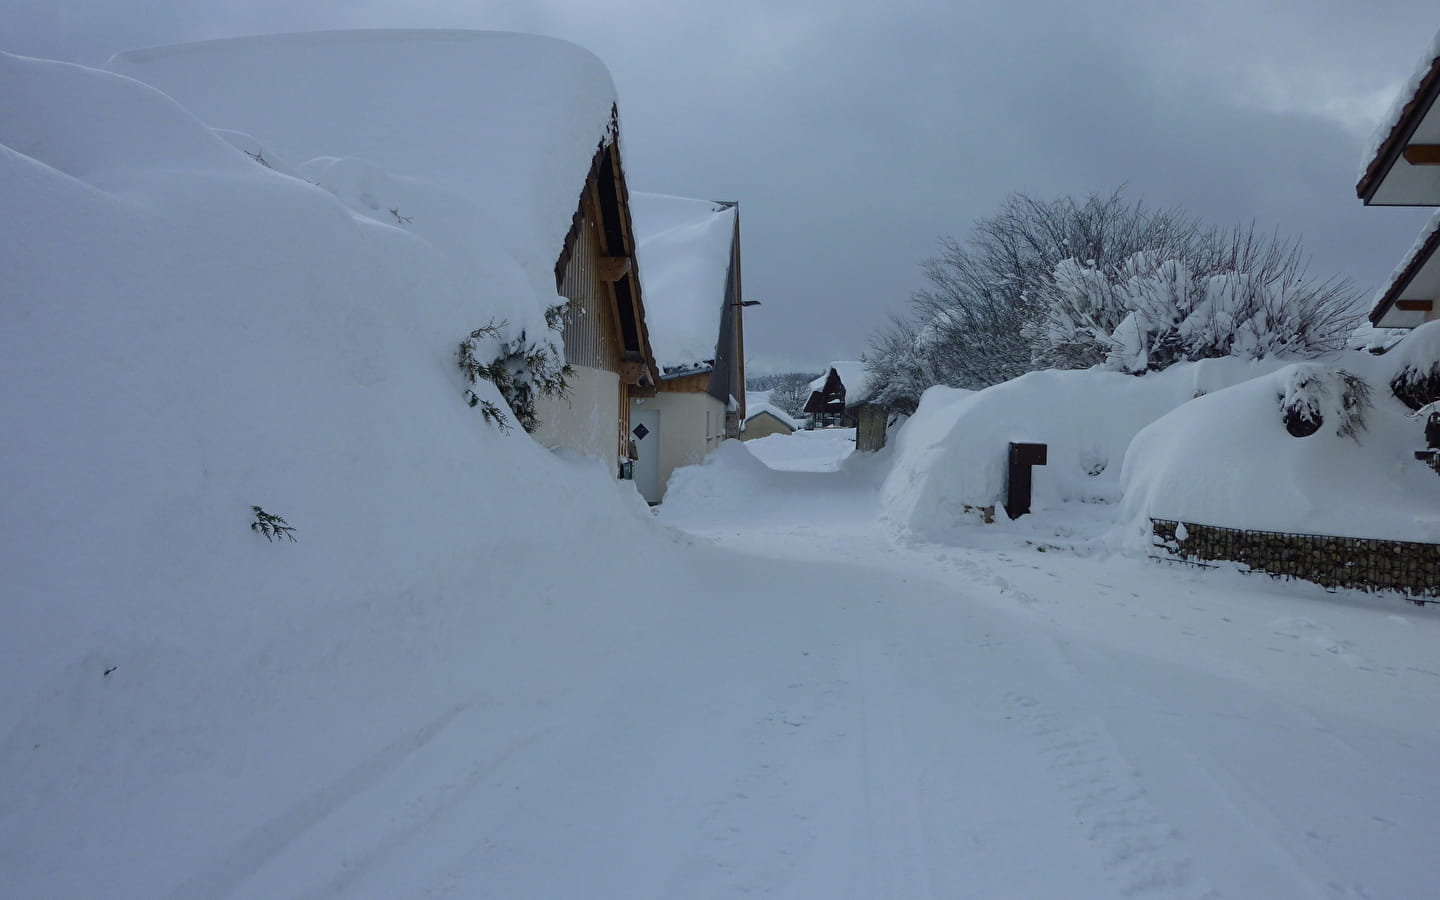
(1074, 283)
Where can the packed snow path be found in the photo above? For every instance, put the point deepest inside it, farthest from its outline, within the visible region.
(1014, 720)
(786, 704)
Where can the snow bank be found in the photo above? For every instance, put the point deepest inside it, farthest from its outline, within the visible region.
(478, 141)
(953, 452)
(1226, 459)
(684, 248)
(188, 334)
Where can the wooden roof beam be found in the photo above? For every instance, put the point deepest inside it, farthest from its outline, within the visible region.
(1422, 154)
(1415, 305)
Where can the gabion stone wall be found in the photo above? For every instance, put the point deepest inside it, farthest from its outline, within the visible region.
(1410, 567)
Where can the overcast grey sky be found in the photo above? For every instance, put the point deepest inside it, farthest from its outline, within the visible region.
(855, 134)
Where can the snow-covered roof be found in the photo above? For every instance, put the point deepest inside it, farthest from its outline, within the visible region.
(1417, 277)
(684, 247)
(757, 402)
(1386, 178)
(509, 121)
(853, 375)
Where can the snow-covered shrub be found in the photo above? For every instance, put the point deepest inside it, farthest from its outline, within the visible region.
(521, 370)
(1416, 380)
(1242, 296)
(1312, 394)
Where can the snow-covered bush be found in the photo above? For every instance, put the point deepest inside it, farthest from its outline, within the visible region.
(1416, 378)
(1312, 394)
(1242, 296)
(522, 370)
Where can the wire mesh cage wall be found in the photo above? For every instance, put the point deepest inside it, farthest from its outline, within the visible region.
(1410, 567)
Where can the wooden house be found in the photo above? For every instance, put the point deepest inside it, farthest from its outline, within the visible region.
(841, 398)
(501, 151)
(689, 252)
(1404, 170)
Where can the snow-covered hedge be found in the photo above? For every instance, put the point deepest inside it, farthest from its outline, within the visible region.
(1227, 459)
(953, 452)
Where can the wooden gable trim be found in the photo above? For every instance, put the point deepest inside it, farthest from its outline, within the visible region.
(1393, 146)
(1415, 305)
(606, 186)
(1391, 297)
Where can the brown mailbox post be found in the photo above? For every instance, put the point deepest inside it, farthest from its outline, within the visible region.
(1017, 482)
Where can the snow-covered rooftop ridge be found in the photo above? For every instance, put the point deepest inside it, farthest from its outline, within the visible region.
(1406, 261)
(1403, 97)
(685, 247)
(853, 375)
(754, 408)
(509, 121)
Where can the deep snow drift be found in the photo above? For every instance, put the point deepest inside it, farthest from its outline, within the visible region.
(188, 334)
(1201, 442)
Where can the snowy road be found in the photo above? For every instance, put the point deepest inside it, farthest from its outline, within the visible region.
(785, 703)
(842, 718)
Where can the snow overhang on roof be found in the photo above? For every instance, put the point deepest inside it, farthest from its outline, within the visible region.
(855, 379)
(685, 249)
(1413, 288)
(509, 121)
(1402, 159)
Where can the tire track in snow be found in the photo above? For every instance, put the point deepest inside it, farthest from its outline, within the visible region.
(227, 873)
(1140, 850)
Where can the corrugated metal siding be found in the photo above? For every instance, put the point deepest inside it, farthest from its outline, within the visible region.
(591, 336)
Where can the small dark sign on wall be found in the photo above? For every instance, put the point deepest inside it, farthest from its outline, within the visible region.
(1017, 483)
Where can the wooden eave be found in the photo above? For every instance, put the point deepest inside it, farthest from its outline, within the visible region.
(1392, 149)
(1395, 294)
(739, 314)
(621, 265)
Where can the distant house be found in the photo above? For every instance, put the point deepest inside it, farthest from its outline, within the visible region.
(689, 252)
(1403, 169)
(499, 150)
(842, 398)
(763, 419)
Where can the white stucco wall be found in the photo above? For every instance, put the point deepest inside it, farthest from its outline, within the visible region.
(691, 425)
(587, 421)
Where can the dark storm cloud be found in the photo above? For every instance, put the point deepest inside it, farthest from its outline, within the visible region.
(854, 136)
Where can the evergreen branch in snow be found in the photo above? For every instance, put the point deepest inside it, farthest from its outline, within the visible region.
(273, 527)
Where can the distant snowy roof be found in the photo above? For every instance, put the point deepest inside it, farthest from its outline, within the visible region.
(757, 402)
(853, 375)
(1403, 123)
(684, 247)
(510, 121)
